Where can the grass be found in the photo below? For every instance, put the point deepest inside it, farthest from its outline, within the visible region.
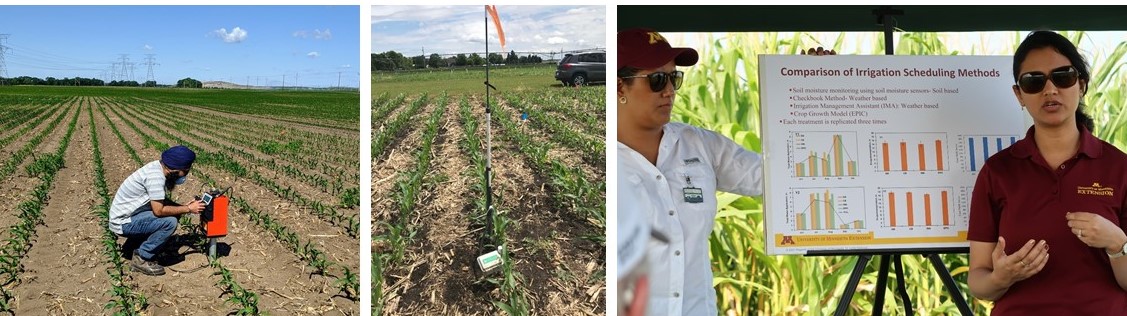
(466, 80)
(336, 107)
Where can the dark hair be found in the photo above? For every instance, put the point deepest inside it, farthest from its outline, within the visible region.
(1041, 39)
(626, 72)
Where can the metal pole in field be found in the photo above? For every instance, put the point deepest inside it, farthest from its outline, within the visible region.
(488, 135)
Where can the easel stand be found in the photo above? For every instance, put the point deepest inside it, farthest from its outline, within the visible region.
(885, 18)
(892, 256)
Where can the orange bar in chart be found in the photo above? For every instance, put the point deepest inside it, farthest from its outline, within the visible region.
(884, 151)
(891, 209)
(853, 168)
(927, 206)
(800, 220)
(923, 164)
(838, 159)
(946, 219)
(938, 155)
(903, 156)
(911, 217)
(799, 170)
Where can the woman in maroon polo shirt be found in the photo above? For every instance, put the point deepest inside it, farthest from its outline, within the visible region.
(1059, 186)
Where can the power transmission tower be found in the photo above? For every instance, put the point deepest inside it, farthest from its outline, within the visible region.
(125, 72)
(150, 61)
(3, 65)
(113, 72)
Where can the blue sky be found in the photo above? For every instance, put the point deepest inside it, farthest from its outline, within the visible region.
(307, 44)
(411, 30)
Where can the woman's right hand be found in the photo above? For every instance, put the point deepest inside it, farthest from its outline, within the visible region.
(1027, 261)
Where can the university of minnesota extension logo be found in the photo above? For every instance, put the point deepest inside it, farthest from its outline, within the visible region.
(1095, 189)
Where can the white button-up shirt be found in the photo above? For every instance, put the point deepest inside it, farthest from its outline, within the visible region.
(689, 158)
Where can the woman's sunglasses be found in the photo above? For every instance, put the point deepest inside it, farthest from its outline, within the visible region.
(1034, 82)
(658, 79)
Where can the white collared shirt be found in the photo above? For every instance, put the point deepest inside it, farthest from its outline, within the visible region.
(689, 158)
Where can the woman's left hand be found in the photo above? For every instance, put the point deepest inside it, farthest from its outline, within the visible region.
(1096, 231)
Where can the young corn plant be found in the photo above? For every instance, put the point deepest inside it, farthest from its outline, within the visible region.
(126, 301)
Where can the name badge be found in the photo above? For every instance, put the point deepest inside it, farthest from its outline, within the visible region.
(693, 195)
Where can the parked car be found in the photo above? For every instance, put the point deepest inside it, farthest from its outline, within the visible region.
(582, 68)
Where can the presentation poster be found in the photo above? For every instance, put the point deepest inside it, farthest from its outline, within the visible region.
(879, 152)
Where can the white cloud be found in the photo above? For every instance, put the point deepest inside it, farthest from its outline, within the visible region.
(557, 40)
(313, 54)
(147, 47)
(345, 66)
(327, 34)
(236, 35)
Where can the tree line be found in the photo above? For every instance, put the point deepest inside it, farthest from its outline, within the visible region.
(79, 81)
(392, 60)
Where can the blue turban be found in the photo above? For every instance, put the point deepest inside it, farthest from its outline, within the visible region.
(178, 158)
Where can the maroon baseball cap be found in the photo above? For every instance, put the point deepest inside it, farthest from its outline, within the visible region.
(647, 49)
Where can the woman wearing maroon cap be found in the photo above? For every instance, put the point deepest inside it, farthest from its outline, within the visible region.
(1058, 186)
(681, 166)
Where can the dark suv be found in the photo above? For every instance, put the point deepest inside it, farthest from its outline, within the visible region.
(582, 68)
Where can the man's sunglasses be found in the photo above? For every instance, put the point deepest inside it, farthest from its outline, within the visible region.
(659, 79)
(1034, 82)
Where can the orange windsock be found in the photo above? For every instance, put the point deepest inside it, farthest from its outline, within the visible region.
(492, 9)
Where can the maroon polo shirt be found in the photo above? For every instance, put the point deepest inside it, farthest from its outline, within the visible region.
(1019, 197)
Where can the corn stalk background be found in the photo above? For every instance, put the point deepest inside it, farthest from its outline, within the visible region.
(721, 93)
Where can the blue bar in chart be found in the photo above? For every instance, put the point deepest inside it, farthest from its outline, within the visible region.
(975, 159)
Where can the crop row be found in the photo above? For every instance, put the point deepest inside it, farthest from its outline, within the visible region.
(385, 106)
(45, 168)
(516, 302)
(126, 300)
(391, 130)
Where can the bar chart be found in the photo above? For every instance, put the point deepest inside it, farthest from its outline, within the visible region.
(921, 207)
(909, 152)
(973, 150)
(826, 208)
(822, 154)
